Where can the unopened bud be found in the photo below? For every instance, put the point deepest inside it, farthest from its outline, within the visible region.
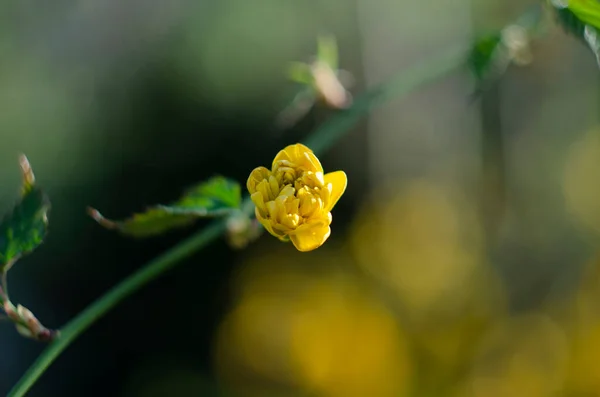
(241, 230)
(516, 40)
(329, 87)
(27, 324)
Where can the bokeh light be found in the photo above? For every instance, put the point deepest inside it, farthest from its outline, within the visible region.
(582, 192)
(315, 327)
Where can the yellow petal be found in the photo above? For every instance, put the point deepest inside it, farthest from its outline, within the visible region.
(256, 176)
(338, 181)
(287, 191)
(310, 162)
(290, 221)
(268, 225)
(265, 189)
(274, 185)
(272, 209)
(265, 222)
(292, 153)
(309, 237)
(301, 156)
(259, 201)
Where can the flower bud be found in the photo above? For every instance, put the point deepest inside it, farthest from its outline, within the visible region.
(295, 198)
(27, 324)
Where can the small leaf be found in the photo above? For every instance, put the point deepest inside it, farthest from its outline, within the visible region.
(491, 54)
(569, 21)
(487, 55)
(217, 197)
(300, 73)
(581, 19)
(588, 11)
(24, 228)
(154, 221)
(327, 51)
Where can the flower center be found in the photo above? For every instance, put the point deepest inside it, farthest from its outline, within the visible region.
(300, 195)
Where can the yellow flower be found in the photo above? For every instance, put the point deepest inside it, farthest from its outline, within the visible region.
(294, 199)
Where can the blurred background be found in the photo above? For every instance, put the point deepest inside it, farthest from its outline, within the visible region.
(464, 255)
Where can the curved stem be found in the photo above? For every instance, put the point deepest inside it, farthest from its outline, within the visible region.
(401, 85)
(115, 295)
(321, 140)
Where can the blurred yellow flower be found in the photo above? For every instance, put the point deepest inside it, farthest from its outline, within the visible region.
(318, 330)
(346, 343)
(522, 356)
(424, 243)
(581, 318)
(294, 199)
(581, 191)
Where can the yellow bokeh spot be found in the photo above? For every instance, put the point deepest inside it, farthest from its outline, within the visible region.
(584, 372)
(347, 344)
(580, 180)
(423, 245)
(310, 326)
(524, 356)
(581, 316)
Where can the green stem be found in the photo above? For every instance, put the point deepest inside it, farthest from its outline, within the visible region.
(115, 295)
(321, 140)
(404, 83)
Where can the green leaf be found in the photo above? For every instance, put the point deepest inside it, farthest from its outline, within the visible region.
(487, 54)
(570, 22)
(300, 73)
(24, 228)
(582, 23)
(491, 54)
(327, 51)
(216, 197)
(588, 11)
